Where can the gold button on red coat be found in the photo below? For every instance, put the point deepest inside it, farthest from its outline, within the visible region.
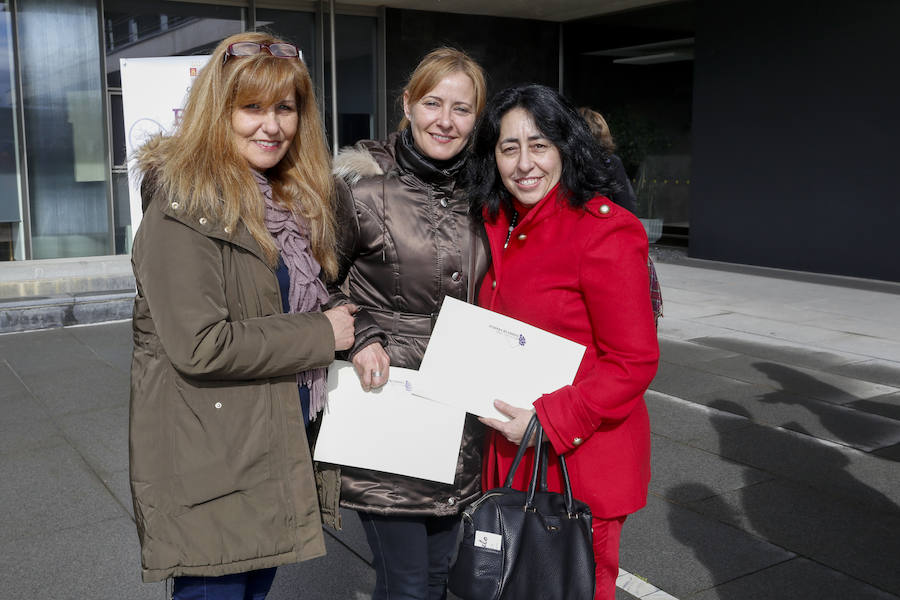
(493, 284)
(577, 441)
(604, 208)
(522, 237)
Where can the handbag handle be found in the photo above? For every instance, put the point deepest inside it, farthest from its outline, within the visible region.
(540, 454)
(523, 446)
(545, 457)
(540, 466)
(570, 499)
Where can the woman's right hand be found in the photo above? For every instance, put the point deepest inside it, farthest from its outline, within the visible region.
(341, 318)
(372, 364)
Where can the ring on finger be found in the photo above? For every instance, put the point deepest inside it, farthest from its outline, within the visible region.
(376, 373)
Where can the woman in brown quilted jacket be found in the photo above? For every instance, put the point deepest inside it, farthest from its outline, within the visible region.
(408, 244)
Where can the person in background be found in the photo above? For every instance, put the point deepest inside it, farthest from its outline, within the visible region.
(407, 244)
(566, 259)
(623, 193)
(237, 229)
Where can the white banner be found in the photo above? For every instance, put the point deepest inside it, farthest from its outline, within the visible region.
(154, 91)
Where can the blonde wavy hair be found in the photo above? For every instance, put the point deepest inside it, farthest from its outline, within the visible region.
(200, 163)
(434, 67)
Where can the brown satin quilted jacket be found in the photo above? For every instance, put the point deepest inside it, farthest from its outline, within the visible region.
(406, 245)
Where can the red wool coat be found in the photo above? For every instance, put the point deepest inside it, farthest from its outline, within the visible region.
(582, 274)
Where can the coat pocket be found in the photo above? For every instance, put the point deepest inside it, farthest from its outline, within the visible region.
(220, 439)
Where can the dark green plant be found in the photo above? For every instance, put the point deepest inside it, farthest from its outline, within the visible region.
(636, 136)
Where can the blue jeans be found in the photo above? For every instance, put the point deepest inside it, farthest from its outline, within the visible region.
(252, 585)
(412, 555)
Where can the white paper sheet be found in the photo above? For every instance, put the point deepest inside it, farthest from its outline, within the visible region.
(388, 429)
(476, 356)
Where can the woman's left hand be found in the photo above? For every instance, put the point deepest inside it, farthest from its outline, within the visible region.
(514, 429)
(372, 364)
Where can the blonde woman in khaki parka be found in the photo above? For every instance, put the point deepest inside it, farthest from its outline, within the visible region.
(238, 226)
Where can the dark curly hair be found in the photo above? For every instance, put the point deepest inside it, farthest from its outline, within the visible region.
(584, 163)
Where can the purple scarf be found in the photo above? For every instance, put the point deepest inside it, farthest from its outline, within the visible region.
(307, 292)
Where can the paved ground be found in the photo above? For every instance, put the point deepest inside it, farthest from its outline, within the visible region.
(776, 435)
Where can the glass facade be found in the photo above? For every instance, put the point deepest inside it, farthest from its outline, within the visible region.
(160, 28)
(299, 28)
(148, 29)
(11, 230)
(64, 128)
(63, 173)
(356, 69)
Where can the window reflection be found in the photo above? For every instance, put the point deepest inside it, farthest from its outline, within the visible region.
(355, 46)
(11, 247)
(299, 28)
(62, 113)
(152, 29)
(146, 29)
(65, 127)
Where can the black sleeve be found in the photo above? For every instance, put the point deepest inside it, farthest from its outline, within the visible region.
(624, 194)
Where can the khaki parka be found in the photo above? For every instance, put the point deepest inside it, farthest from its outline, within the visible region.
(221, 474)
(407, 242)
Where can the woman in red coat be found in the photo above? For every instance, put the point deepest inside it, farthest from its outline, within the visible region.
(568, 260)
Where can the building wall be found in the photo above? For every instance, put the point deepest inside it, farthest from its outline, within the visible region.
(795, 130)
(511, 51)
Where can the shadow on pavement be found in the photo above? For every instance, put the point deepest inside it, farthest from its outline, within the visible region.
(840, 530)
(848, 426)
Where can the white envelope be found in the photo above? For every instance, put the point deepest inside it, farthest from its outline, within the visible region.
(476, 356)
(388, 429)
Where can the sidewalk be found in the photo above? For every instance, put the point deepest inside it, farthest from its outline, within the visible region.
(776, 440)
(776, 437)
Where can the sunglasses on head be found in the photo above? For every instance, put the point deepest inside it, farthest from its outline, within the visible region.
(278, 50)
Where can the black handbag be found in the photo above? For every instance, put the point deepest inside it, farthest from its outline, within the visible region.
(518, 545)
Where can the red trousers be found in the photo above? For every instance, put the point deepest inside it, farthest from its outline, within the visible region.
(607, 533)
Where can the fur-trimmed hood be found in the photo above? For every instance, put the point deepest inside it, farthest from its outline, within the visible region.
(368, 158)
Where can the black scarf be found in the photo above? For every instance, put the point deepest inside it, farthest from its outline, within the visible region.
(426, 168)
